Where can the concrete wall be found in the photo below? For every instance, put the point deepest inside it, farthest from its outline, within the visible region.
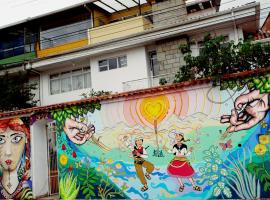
(169, 55)
(169, 12)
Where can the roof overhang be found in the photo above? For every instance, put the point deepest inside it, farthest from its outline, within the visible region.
(112, 6)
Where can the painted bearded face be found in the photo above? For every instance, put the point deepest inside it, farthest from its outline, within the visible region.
(12, 144)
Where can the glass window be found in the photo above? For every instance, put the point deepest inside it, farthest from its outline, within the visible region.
(65, 84)
(70, 80)
(112, 63)
(103, 65)
(77, 82)
(55, 86)
(122, 61)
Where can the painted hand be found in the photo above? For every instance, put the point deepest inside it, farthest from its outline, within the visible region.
(249, 110)
(78, 132)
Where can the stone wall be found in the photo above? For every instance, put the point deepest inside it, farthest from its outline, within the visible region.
(169, 55)
(169, 12)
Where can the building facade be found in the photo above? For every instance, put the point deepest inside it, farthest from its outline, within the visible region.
(117, 48)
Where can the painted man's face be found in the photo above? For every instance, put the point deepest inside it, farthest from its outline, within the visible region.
(178, 138)
(11, 148)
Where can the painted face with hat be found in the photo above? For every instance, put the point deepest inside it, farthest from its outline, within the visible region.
(139, 141)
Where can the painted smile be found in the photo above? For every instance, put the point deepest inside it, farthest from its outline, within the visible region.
(8, 162)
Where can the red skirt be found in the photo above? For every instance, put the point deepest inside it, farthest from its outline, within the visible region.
(180, 169)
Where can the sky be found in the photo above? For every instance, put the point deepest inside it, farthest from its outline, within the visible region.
(13, 11)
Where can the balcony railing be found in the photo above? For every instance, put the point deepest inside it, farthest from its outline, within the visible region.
(152, 81)
(119, 29)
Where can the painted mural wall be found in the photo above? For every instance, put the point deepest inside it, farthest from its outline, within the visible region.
(15, 176)
(200, 142)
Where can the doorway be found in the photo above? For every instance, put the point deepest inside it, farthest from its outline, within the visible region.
(52, 158)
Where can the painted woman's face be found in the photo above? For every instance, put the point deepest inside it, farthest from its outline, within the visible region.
(11, 148)
(178, 137)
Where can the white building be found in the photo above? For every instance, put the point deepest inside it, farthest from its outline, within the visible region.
(136, 51)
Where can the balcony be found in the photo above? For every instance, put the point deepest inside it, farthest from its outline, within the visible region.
(119, 29)
(17, 54)
(63, 38)
(144, 83)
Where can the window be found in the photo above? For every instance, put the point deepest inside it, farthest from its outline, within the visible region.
(112, 63)
(70, 80)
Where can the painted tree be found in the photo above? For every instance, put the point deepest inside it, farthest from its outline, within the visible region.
(16, 92)
(218, 57)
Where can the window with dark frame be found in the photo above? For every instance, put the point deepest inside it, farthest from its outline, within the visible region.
(112, 63)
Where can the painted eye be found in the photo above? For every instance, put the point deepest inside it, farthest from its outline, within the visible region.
(2, 141)
(16, 139)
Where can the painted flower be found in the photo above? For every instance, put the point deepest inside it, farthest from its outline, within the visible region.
(70, 168)
(118, 166)
(74, 155)
(109, 161)
(260, 149)
(264, 124)
(99, 168)
(115, 180)
(264, 139)
(63, 159)
(64, 147)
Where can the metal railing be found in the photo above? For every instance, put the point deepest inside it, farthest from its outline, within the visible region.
(151, 81)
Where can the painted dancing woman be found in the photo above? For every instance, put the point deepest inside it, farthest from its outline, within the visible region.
(180, 167)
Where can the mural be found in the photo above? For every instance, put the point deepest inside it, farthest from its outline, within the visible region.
(200, 142)
(15, 159)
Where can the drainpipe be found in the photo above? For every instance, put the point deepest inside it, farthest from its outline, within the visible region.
(236, 38)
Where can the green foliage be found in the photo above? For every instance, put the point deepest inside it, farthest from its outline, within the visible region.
(162, 81)
(106, 189)
(242, 182)
(261, 83)
(88, 177)
(215, 173)
(60, 115)
(219, 57)
(16, 92)
(260, 171)
(67, 187)
(93, 93)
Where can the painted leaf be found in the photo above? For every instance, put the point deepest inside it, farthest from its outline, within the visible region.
(227, 192)
(210, 183)
(221, 184)
(215, 168)
(214, 177)
(202, 170)
(218, 161)
(224, 172)
(212, 149)
(216, 191)
(207, 159)
(207, 152)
